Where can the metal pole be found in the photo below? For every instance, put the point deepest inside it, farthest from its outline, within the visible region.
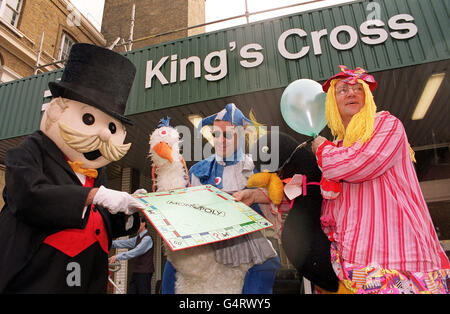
(52, 63)
(114, 43)
(124, 44)
(38, 59)
(133, 14)
(246, 12)
(115, 286)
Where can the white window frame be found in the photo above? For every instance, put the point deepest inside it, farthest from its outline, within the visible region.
(63, 40)
(3, 5)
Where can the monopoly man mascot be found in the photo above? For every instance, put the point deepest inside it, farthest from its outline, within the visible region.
(59, 218)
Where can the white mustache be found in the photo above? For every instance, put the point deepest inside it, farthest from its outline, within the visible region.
(84, 143)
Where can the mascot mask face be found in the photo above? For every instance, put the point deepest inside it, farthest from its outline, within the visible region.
(84, 133)
(85, 118)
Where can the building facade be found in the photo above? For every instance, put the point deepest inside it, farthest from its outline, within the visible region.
(23, 23)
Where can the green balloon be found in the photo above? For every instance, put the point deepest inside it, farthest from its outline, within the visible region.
(303, 107)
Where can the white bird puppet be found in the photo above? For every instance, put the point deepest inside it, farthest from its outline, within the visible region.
(169, 170)
(197, 268)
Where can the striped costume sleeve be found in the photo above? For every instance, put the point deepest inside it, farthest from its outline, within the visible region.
(359, 163)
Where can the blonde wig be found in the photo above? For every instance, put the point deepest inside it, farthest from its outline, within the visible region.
(360, 128)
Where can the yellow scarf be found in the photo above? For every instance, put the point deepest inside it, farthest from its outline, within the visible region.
(76, 167)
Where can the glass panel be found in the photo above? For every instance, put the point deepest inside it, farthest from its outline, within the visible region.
(14, 4)
(10, 11)
(8, 15)
(67, 44)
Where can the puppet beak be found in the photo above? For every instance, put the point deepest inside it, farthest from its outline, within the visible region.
(164, 151)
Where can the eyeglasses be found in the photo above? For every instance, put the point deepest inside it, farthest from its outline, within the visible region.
(227, 134)
(357, 89)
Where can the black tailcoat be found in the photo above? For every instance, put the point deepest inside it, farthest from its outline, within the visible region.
(43, 196)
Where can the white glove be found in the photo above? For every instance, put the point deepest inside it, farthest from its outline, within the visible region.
(117, 201)
(140, 191)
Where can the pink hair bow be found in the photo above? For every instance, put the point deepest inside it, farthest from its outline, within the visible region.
(354, 75)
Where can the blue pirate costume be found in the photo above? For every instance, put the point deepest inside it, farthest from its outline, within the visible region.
(230, 174)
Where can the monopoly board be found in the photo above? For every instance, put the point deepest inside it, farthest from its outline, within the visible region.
(199, 215)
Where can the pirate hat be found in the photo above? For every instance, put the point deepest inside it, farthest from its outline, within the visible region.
(230, 113)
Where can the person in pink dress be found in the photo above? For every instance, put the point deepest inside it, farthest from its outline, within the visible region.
(383, 238)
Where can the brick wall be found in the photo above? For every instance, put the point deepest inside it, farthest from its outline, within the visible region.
(152, 17)
(196, 16)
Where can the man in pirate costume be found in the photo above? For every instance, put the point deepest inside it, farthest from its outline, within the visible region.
(374, 213)
(59, 218)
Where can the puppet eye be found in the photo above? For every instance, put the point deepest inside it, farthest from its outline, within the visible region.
(265, 149)
(88, 119)
(163, 132)
(112, 127)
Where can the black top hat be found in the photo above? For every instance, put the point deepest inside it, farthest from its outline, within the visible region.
(98, 77)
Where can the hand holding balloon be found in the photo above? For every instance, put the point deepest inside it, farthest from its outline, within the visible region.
(316, 143)
(303, 107)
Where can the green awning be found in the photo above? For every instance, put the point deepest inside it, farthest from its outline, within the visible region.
(264, 55)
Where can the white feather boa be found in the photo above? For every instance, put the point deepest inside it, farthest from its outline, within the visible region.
(198, 272)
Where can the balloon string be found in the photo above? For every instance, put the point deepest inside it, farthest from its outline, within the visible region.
(292, 154)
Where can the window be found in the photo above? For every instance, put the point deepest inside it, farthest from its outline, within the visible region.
(66, 43)
(6, 75)
(10, 10)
